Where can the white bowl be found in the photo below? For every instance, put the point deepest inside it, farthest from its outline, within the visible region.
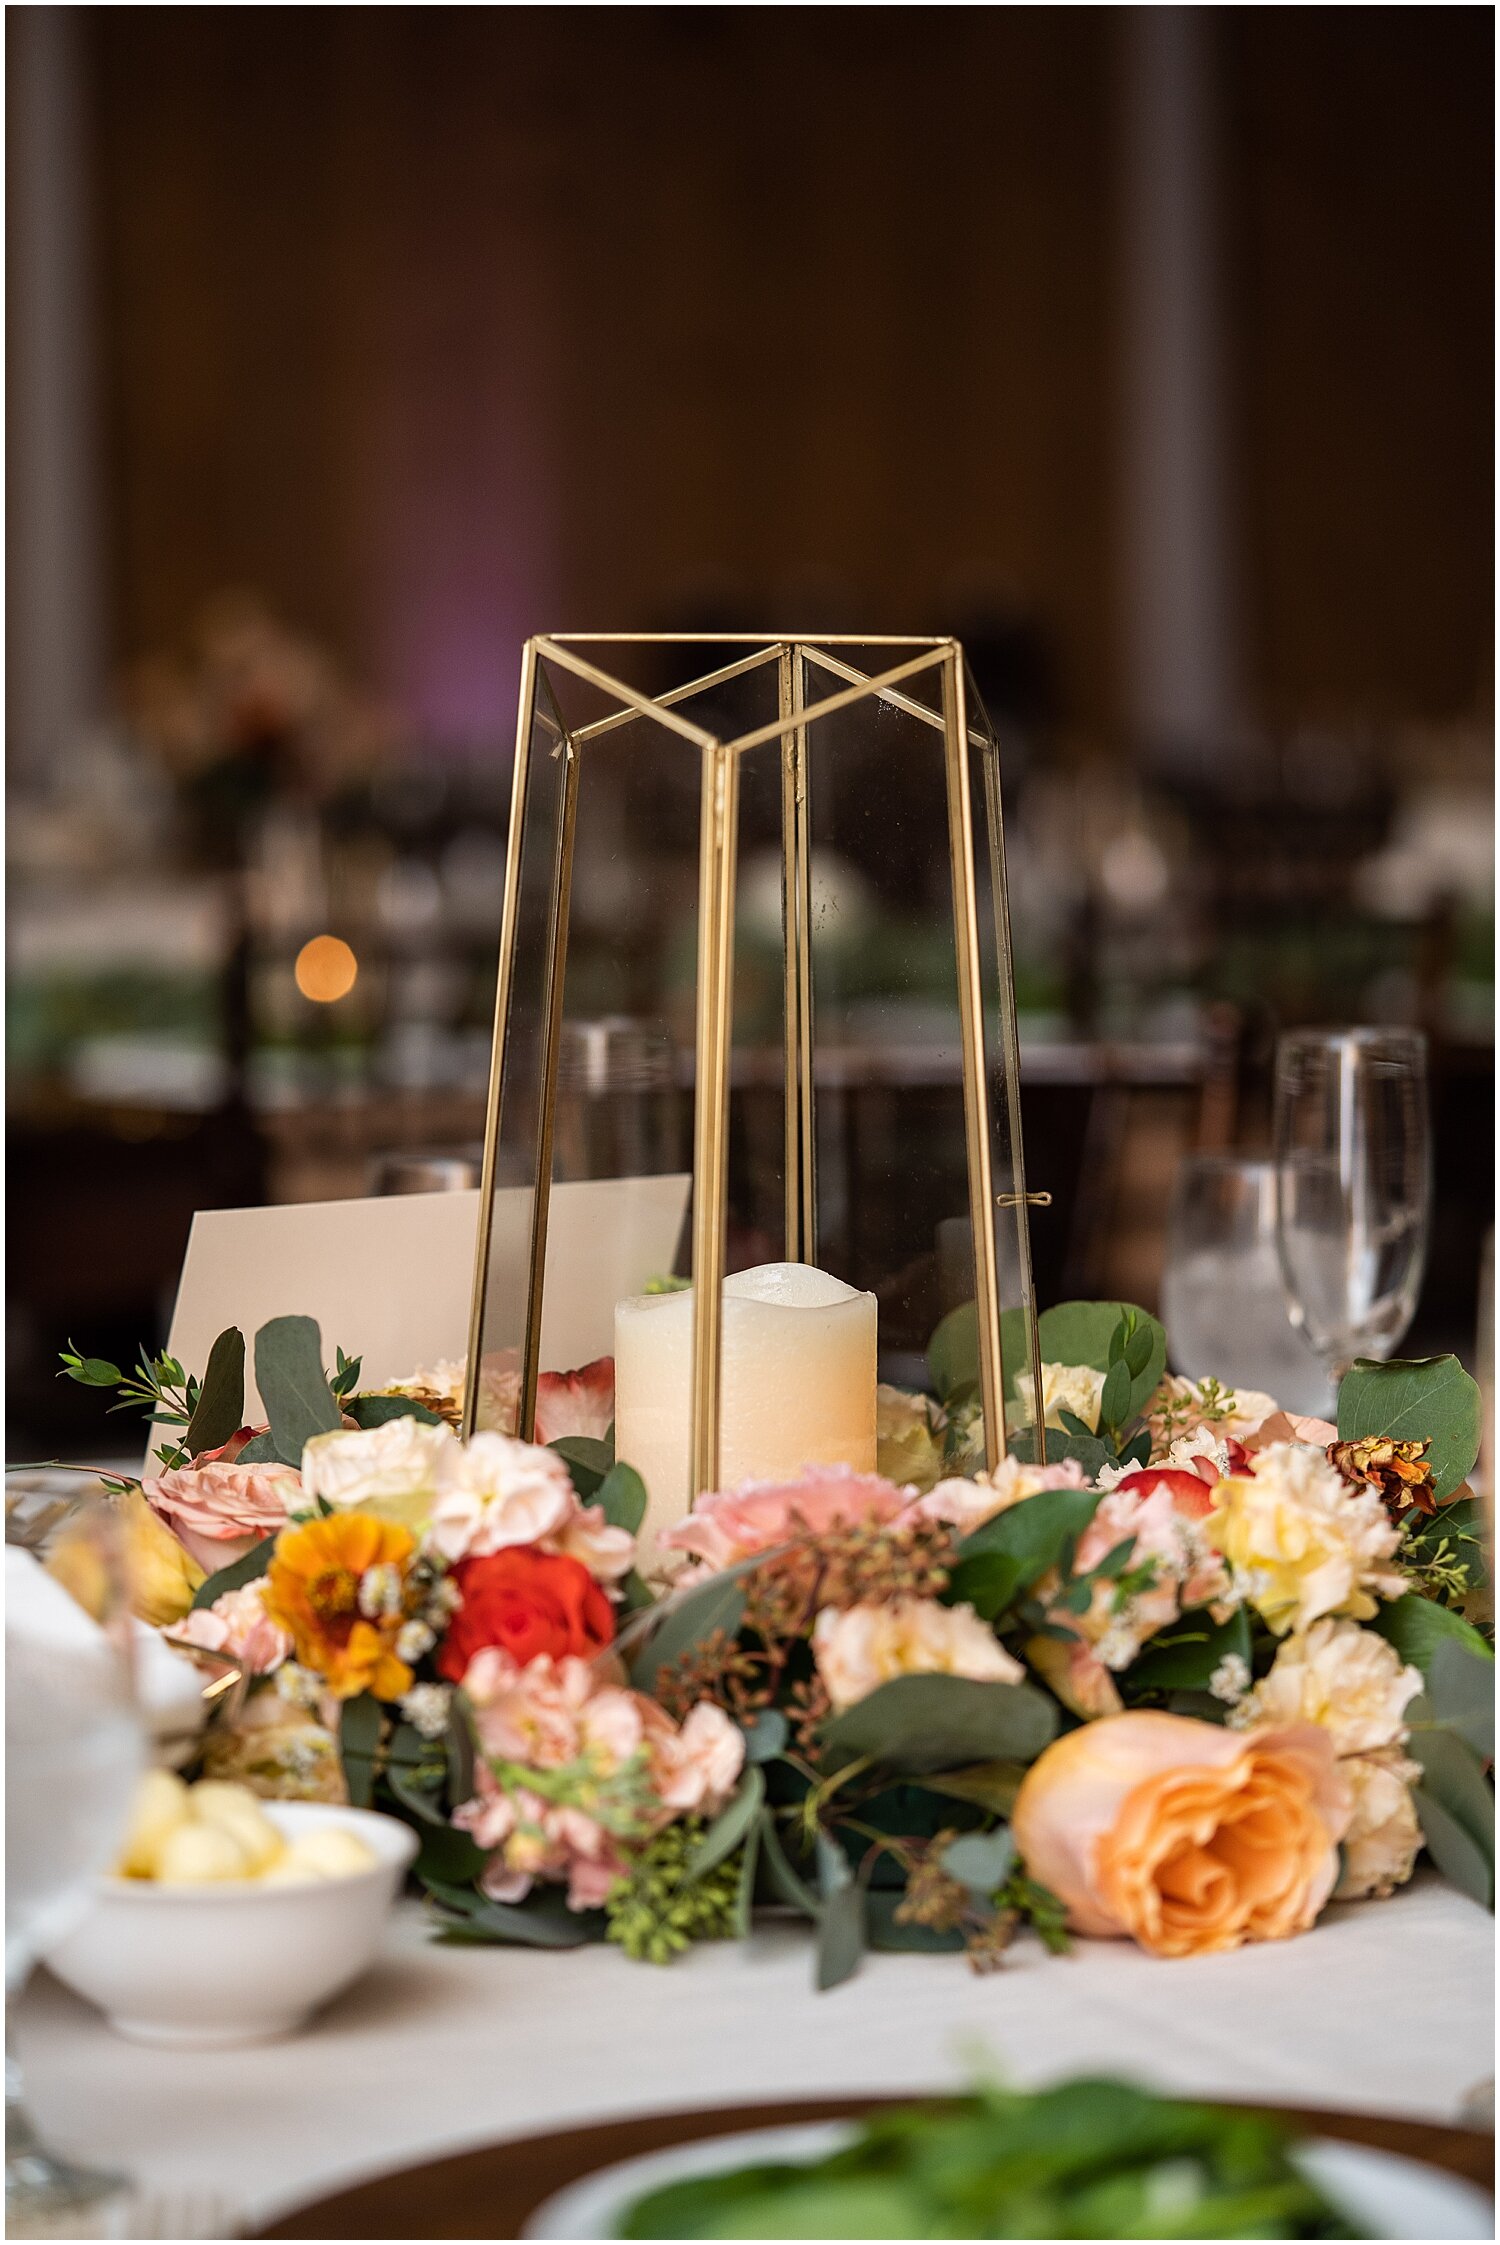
(210, 1967)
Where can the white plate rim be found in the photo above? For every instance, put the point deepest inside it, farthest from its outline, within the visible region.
(1427, 2201)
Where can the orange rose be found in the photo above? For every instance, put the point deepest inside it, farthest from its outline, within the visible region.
(1182, 1835)
(336, 1586)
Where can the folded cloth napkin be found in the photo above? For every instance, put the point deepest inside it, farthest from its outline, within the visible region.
(169, 1688)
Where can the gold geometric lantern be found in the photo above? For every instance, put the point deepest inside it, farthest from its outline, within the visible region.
(773, 865)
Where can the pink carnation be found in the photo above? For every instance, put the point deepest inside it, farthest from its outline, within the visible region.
(733, 1524)
(561, 1717)
(238, 1626)
(219, 1511)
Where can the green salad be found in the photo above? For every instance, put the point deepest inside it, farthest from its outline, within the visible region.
(1085, 2159)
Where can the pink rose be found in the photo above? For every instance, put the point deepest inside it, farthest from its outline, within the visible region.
(218, 1511)
(581, 1402)
(733, 1524)
(238, 1626)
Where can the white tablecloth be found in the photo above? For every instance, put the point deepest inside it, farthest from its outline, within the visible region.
(1385, 2006)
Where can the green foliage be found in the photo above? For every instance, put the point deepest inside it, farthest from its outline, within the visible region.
(360, 1725)
(1037, 1906)
(766, 1737)
(621, 1497)
(728, 1829)
(986, 1785)
(1004, 1557)
(1417, 1626)
(236, 1574)
(1185, 1656)
(1089, 2158)
(1452, 1735)
(1416, 1399)
(981, 1861)
(289, 1373)
(1445, 1555)
(345, 1378)
(917, 1724)
(542, 1921)
(953, 1354)
(220, 1407)
(379, 1410)
(1085, 1332)
(89, 1371)
(841, 1920)
(665, 1904)
(690, 1616)
(587, 1459)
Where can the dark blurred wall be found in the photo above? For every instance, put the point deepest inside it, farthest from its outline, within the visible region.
(442, 325)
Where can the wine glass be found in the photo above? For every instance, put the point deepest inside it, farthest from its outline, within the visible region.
(1222, 1296)
(1353, 1186)
(74, 1748)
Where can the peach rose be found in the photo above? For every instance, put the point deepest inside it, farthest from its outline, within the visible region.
(1186, 1837)
(218, 1511)
(735, 1523)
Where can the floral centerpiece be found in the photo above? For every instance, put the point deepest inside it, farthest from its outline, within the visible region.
(1183, 1668)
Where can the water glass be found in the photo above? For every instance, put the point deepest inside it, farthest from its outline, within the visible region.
(1222, 1295)
(1353, 1186)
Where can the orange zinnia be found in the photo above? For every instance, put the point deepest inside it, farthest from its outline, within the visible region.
(312, 1590)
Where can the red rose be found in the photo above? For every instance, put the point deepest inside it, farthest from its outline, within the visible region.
(526, 1602)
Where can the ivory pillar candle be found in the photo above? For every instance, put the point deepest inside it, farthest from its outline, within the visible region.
(797, 1384)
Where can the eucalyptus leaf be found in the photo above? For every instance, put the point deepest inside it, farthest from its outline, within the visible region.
(260, 1450)
(1081, 1333)
(690, 1616)
(587, 1459)
(729, 1827)
(988, 1785)
(766, 1737)
(289, 1373)
(459, 1742)
(744, 1896)
(1461, 1689)
(220, 1409)
(379, 1410)
(1457, 1854)
(841, 1926)
(1452, 1776)
(236, 1574)
(916, 1724)
(621, 1497)
(953, 1354)
(1022, 1543)
(1416, 1399)
(787, 1881)
(360, 1722)
(980, 1861)
(542, 1921)
(425, 1805)
(1417, 1626)
(447, 1855)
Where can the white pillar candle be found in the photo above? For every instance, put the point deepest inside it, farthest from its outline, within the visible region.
(797, 1383)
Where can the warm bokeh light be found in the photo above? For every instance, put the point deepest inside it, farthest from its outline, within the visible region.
(326, 969)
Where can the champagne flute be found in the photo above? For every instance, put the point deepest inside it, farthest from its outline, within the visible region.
(1353, 1186)
(74, 1748)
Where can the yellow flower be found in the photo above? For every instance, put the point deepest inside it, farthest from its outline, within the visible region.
(907, 1451)
(318, 1588)
(869, 1645)
(1301, 1542)
(163, 1576)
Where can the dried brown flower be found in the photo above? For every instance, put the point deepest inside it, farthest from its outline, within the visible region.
(1401, 1471)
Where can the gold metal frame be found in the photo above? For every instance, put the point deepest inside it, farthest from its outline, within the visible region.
(715, 984)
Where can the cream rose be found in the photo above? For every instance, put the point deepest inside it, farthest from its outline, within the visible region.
(1186, 1837)
(968, 1504)
(497, 1492)
(1384, 1839)
(1301, 1542)
(1065, 1387)
(1345, 1679)
(864, 1646)
(392, 1471)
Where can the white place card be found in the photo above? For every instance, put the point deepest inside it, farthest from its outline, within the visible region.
(390, 1279)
